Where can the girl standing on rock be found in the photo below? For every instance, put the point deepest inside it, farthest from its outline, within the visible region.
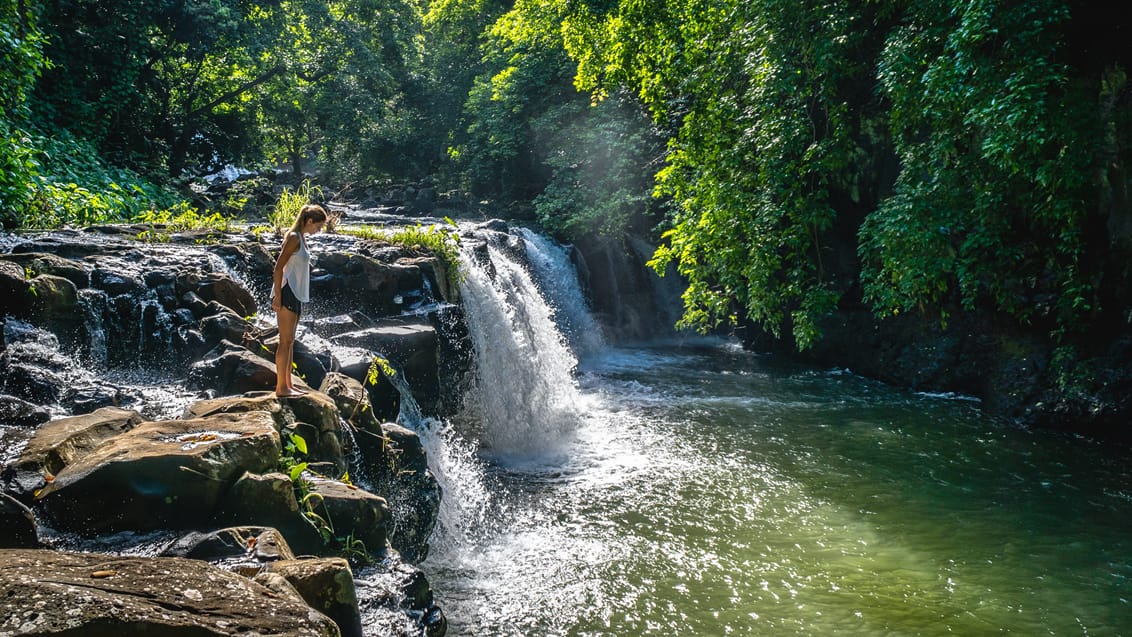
(290, 289)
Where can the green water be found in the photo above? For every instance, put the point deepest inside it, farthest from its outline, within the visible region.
(709, 491)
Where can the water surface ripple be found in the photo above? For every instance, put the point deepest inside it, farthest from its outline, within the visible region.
(710, 491)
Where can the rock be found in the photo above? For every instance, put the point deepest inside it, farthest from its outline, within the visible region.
(96, 595)
(221, 324)
(33, 383)
(311, 367)
(327, 585)
(17, 524)
(64, 441)
(167, 474)
(313, 415)
(352, 401)
(258, 543)
(352, 513)
(17, 412)
(230, 369)
(412, 347)
(341, 323)
(279, 584)
(437, 273)
(383, 396)
(108, 278)
(88, 398)
(412, 491)
(222, 289)
(42, 263)
(386, 604)
(355, 282)
(269, 500)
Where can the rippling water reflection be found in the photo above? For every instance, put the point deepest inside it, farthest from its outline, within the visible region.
(714, 492)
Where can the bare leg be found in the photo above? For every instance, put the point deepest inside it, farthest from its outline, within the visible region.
(285, 353)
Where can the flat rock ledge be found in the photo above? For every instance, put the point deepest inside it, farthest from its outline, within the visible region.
(90, 595)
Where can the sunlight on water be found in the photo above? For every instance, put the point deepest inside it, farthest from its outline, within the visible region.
(710, 492)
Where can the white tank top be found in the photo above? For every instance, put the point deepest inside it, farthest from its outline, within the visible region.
(297, 271)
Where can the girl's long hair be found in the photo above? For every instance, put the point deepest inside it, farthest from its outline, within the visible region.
(309, 212)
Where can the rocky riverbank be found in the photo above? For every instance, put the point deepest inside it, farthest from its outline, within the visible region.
(259, 510)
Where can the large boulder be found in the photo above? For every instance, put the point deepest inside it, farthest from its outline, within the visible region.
(92, 595)
(62, 442)
(412, 347)
(230, 369)
(269, 500)
(167, 474)
(327, 585)
(312, 416)
(353, 281)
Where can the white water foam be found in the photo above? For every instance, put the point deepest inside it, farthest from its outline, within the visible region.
(526, 397)
(558, 281)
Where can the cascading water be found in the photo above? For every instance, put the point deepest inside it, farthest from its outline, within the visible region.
(525, 397)
(558, 281)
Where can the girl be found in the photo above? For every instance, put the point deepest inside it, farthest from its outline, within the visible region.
(291, 289)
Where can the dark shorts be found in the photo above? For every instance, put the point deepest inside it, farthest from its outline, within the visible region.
(288, 300)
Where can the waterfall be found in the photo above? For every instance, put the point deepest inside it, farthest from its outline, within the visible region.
(525, 395)
(558, 282)
(452, 460)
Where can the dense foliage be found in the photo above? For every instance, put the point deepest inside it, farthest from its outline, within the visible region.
(904, 156)
(790, 115)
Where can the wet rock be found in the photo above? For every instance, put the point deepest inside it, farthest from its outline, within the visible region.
(35, 263)
(52, 302)
(437, 273)
(85, 399)
(221, 324)
(341, 323)
(395, 590)
(353, 281)
(230, 369)
(64, 441)
(18, 412)
(352, 513)
(258, 543)
(412, 347)
(108, 278)
(110, 595)
(269, 500)
(412, 491)
(17, 524)
(33, 383)
(191, 301)
(167, 474)
(222, 289)
(327, 585)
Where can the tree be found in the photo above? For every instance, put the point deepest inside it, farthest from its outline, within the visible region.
(21, 61)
